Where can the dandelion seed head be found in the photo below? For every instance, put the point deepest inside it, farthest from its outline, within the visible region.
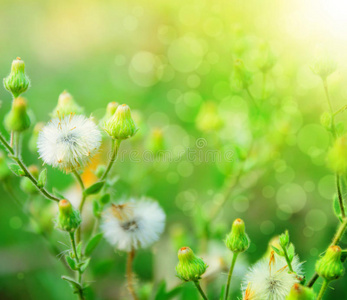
(69, 142)
(134, 224)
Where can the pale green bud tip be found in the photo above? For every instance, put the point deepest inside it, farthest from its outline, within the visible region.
(237, 240)
(284, 239)
(121, 125)
(337, 156)
(17, 119)
(111, 108)
(330, 266)
(299, 292)
(17, 82)
(190, 267)
(69, 218)
(66, 106)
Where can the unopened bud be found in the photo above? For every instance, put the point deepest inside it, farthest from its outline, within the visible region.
(330, 266)
(190, 267)
(324, 66)
(17, 82)
(337, 156)
(284, 239)
(18, 119)
(69, 218)
(237, 240)
(121, 125)
(66, 106)
(242, 78)
(299, 292)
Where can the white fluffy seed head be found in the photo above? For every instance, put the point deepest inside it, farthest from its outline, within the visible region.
(270, 279)
(134, 224)
(69, 142)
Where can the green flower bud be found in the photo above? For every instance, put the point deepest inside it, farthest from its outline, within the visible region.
(237, 240)
(266, 59)
(208, 118)
(32, 144)
(190, 267)
(299, 292)
(325, 120)
(100, 170)
(25, 183)
(17, 82)
(18, 119)
(66, 106)
(121, 125)
(324, 66)
(337, 156)
(4, 170)
(156, 141)
(110, 110)
(284, 239)
(242, 78)
(330, 266)
(69, 218)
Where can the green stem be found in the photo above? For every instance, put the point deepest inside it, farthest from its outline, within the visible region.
(337, 238)
(339, 194)
(327, 95)
(233, 261)
(197, 285)
(129, 274)
(79, 274)
(287, 259)
(12, 155)
(83, 200)
(323, 289)
(115, 148)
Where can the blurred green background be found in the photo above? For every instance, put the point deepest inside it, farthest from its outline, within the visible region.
(172, 62)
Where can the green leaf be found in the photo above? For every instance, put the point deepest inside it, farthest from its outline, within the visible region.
(105, 199)
(57, 193)
(343, 255)
(84, 265)
(73, 282)
(16, 170)
(41, 182)
(71, 262)
(79, 249)
(278, 251)
(337, 209)
(96, 208)
(92, 244)
(94, 189)
(291, 252)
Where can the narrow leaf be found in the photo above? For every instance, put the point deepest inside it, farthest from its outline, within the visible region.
(278, 251)
(95, 188)
(41, 182)
(337, 208)
(57, 193)
(92, 244)
(72, 281)
(71, 262)
(16, 170)
(84, 265)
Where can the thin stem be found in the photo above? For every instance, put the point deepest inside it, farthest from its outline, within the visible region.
(339, 194)
(79, 274)
(233, 261)
(252, 98)
(115, 148)
(11, 138)
(197, 285)
(79, 179)
(289, 264)
(323, 289)
(42, 190)
(313, 279)
(129, 274)
(17, 144)
(327, 95)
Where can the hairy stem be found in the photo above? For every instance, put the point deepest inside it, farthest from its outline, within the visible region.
(339, 194)
(287, 259)
(233, 261)
(129, 274)
(79, 272)
(83, 200)
(197, 285)
(323, 289)
(115, 148)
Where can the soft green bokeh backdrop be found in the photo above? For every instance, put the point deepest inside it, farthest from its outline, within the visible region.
(165, 59)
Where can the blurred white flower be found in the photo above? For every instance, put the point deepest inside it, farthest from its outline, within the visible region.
(270, 279)
(134, 224)
(69, 142)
